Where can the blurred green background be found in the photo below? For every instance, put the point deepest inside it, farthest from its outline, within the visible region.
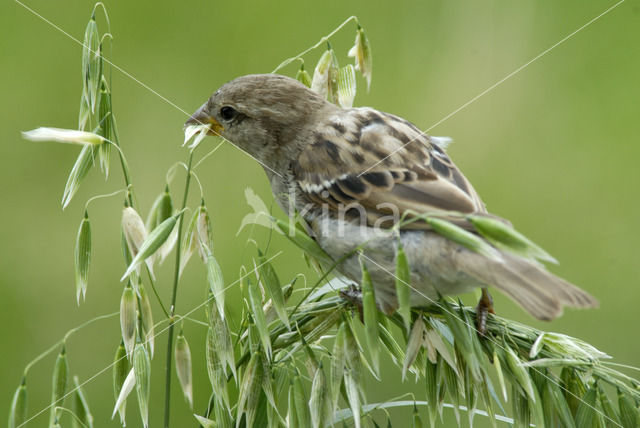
(553, 148)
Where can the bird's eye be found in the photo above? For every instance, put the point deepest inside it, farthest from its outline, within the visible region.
(227, 113)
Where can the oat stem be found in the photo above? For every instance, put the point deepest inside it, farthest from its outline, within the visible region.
(56, 345)
(172, 308)
(321, 42)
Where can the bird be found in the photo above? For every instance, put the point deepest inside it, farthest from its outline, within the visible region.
(353, 174)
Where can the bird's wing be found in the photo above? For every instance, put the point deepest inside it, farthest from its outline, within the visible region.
(387, 166)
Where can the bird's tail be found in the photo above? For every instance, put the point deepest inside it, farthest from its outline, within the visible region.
(538, 291)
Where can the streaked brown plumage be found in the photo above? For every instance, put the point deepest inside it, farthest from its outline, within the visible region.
(327, 159)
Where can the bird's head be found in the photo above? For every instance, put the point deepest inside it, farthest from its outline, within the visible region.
(267, 115)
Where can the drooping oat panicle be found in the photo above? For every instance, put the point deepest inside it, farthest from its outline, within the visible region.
(135, 233)
(106, 126)
(206, 422)
(121, 401)
(81, 406)
(271, 282)
(319, 399)
(346, 86)
(303, 77)
(337, 365)
(301, 402)
(83, 257)
(303, 241)
(403, 284)
(629, 415)
(189, 241)
(221, 337)
(215, 370)
(161, 209)
(606, 405)
(352, 352)
(121, 368)
(255, 301)
(292, 420)
(250, 388)
(216, 281)
(320, 82)
(142, 370)
(505, 237)
(152, 243)
(521, 411)
(91, 63)
(352, 390)
(361, 51)
(334, 70)
(204, 231)
(183, 367)
(128, 318)
(462, 237)
(59, 382)
(370, 315)
(269, 311)
(146, 317)
(69, 136)
(431, 382)
(198, 131)
(18, 410)
(414, 344)
(83, 164)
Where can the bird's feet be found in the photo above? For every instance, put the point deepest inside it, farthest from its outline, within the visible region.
(484, 308)
(353, 295)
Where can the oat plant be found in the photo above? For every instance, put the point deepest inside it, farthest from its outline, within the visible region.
(301, 362)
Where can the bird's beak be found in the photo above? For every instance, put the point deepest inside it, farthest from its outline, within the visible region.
(202, 117)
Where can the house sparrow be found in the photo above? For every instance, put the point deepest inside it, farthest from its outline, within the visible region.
(354, 173)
